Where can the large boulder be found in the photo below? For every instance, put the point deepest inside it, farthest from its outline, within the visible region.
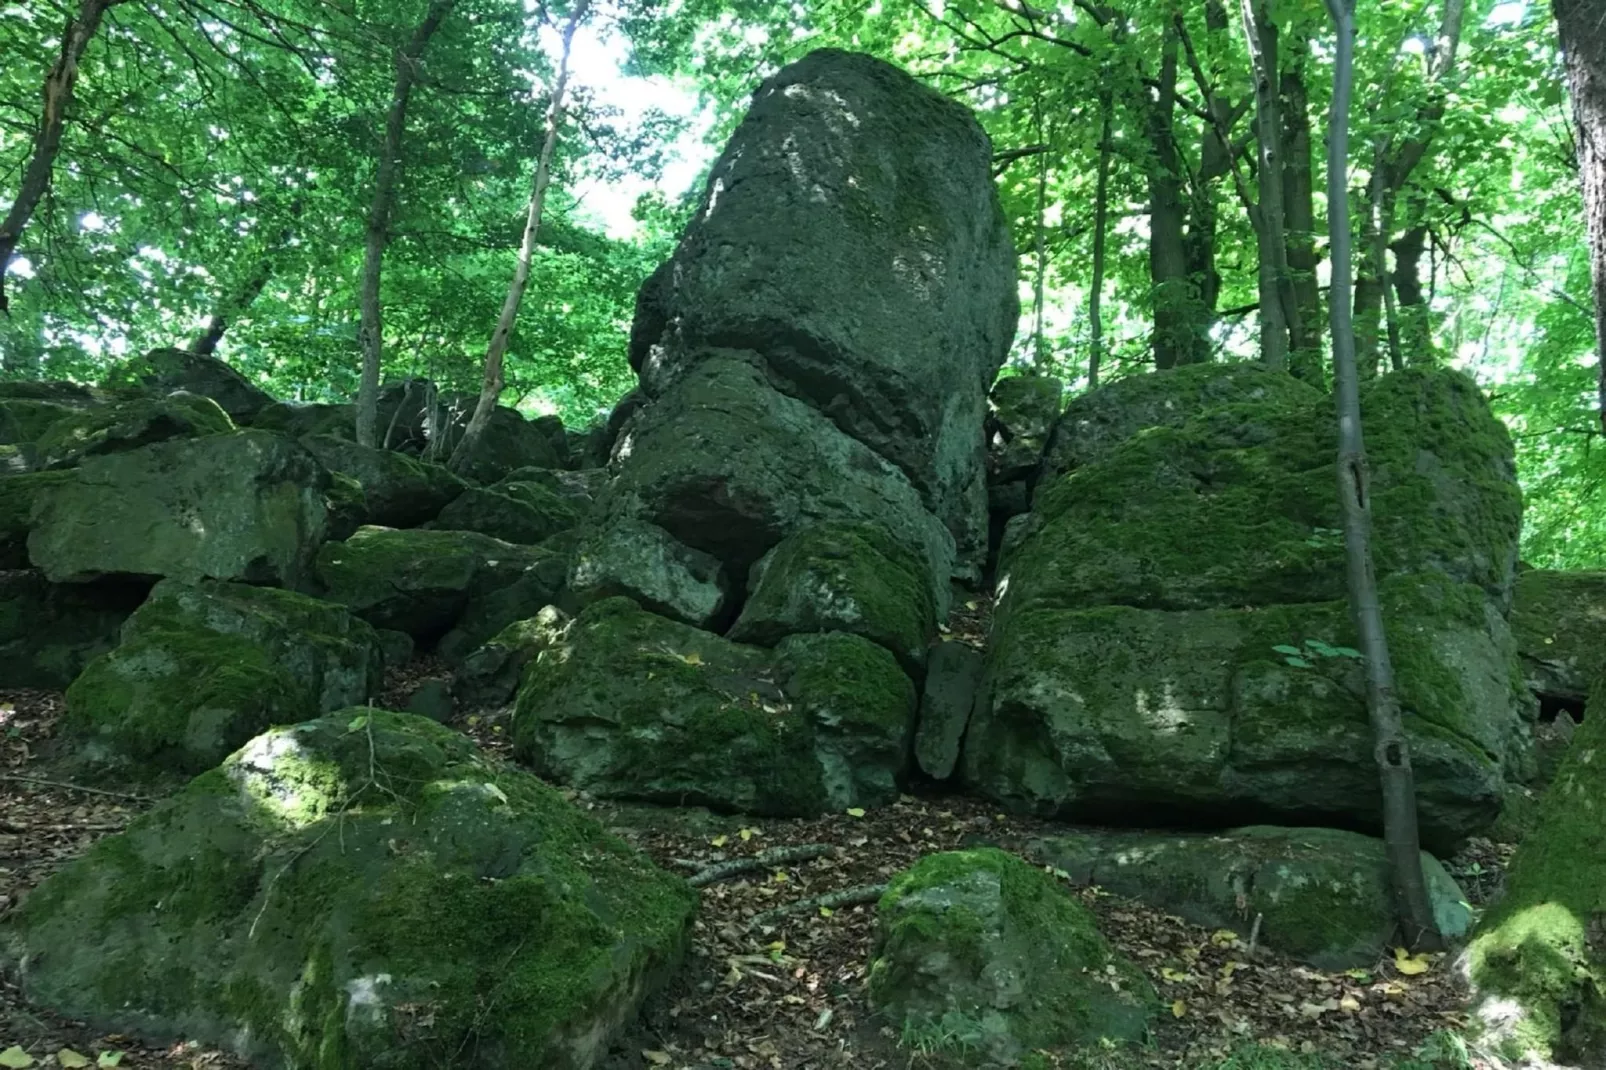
(127, 424)
(202, 668)
(843, 577)
(490, 674)
(521, 512)
(1172, 634)
(298, 419)
(729, 466)
(424, 582)
(1322, 896)
(49, 631)
(508, 442)
(643, 562)
(1134, 716)
(165, 370)
(362, 891)
(243, 506)
(1238, 506)
(631, 705)
(1537, 962)
(1559, 620)
(398, 491)
(1022, 412)
(1096, 423)
(991, 954)
(851, 243)
(20, 495)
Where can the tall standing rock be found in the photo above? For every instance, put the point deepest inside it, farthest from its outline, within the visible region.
(851, 245)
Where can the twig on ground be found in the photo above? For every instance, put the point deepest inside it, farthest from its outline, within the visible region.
(14, 778)
(775, 856)
(863, 893)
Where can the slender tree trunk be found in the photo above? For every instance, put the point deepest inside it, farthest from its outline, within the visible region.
(1039, 347)
(47, 140)
(1216, 155)
(1101, 224)
(232, 305)
(1305, 328)
(377, 234)
(491, 388)
(1371, 279)
(1583, 44)
(1275, 301)
(1400, 835)
(1168, 265)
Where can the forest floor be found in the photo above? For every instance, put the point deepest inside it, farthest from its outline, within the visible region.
(768, 988)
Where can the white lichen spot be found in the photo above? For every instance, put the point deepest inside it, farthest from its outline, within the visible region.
(365, 1005)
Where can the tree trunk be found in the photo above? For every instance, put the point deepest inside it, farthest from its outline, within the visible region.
(1039, 346)
(230, 306)
(1168, 265)
(1275, 303)
(1400, 835)
(1101, 224)
(1414, 342)
(1371, 279)
(1583, 46)
(52, 121)
(377, 235)
(491, 388)
(1305, 328)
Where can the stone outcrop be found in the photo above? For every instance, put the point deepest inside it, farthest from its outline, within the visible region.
(850, 248)
(1172, 639)
(49, 631)
(398, 491)
(630, 705)
(1559, 621)
(242, 506)
(162, 371)
(365, 891)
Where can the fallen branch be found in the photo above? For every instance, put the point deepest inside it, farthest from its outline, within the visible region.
(775, 856)
(863, 893)
(14, 778)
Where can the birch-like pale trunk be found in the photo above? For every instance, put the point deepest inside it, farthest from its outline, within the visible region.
(496, 351)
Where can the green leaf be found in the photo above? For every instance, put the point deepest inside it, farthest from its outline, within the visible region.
(14, 1058)
(1286, 649)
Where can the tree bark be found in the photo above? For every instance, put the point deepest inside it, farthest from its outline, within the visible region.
(1276, 305)
(1400, 836)
(377, 231)
(1101, 225)
(1414, 342)
(1583, 44)
(1039, 345)
(1174, 316)
(496, 351)
(232, 305)
(1305, 330)
(58, 93)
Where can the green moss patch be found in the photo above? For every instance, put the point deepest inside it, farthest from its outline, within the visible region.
(364, 890)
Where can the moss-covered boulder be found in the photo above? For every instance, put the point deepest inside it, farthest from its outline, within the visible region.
(491, 673)
(490, 610)
(992, 953)
(298, 419)
(509, 442)
(363, 891)
(50, 631)
(852, 243)
(23, 420)
(127, 424)
(842, 577)
(1137, 715)
(1021, 414)
(1098, 422)
(1321, 895)
(730, 466)
(525, 513)
(1559, 620)
(1537, 962)
(640, 561)
(245, 506)
(421, 581)
(165, 370)
(398, 491)
(630, 705)
(20, 495)
(1238, 507)
(202, 668)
